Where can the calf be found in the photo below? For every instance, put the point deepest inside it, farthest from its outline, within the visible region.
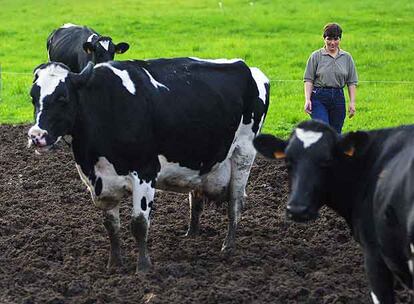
(367, 178)
(76, 45)
(183, 125)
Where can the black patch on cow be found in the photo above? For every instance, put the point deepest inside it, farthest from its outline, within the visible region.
(391, 216)
(191, 121)
(98, 186)
(65, 45)
(144, 204)
(152, 208)
(92, 177)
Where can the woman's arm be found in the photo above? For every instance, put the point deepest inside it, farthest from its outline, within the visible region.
(352, 96)
(308, 93)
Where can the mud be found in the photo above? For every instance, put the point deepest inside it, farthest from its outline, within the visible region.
(54, 248)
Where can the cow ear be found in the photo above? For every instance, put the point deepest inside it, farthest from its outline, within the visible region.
(81, 79)
(270, 146)
(354, 143)
(121, 47)
(88, 47)
(36, 71)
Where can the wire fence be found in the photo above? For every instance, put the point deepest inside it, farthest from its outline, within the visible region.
(409, 82)
(272, 80)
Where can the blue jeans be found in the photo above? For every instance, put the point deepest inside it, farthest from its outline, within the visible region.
(328, 105)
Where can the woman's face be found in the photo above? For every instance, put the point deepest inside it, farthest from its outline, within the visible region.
(332, 43)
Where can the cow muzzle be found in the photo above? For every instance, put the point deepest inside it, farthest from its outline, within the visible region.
(40, 139)
(300, 212)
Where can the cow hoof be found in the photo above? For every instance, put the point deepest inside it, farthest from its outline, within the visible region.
(192, 233)
(227, 249)
(144, 265)
(113, 264)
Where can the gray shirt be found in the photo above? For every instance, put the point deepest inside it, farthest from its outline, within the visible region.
(323, 70)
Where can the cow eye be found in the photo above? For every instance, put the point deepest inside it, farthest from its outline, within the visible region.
(326, 163)
(63, 99)
(289, 163)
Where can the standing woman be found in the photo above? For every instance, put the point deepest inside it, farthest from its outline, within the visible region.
(328, 70)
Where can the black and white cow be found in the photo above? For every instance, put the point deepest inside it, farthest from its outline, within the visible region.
(76, 45)
(183, 124)
(367, 178)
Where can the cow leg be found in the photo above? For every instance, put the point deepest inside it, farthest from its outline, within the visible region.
(380, 279)
(112, 223)
(196, 200)
(142, 197)
(411, 268)
(241, 162)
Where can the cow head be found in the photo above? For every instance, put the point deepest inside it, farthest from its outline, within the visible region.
(103, 49)
(312, 154)
(54, 99)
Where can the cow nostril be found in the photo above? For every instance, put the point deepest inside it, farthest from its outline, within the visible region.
(296, 209)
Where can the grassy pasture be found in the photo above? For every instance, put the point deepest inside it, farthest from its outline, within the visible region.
(276, 36)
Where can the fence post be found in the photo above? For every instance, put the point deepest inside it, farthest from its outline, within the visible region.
(1, 87)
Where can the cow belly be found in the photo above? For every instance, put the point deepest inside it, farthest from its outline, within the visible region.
(216, 182)
(173, 177)
(109, 187)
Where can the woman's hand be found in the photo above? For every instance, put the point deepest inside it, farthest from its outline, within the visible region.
(352, 94)
(351, 109)
(308, 106)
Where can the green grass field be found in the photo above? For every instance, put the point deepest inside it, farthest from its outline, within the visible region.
(276, 36)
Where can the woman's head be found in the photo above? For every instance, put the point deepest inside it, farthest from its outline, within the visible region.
(332, 30)
(332, 34)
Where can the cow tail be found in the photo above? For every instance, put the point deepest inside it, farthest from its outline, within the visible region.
(49, 40)
(410, 249)
(258, 105)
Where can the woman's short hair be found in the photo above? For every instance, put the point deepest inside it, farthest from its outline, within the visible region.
(332, 30)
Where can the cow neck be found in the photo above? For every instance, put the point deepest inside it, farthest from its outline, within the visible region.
(340, 197)
(80, 132)
(352, 181)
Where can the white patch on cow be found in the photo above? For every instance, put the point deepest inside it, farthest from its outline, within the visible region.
(105, 44)
(155, 83)
(412, 248)
(308, 137)
(173, 177)
(112, 182)
(374, 298)
(114, 186)
(218, 61)
(66, 25)
(48, 79)
(241, 155)
(85, 179)
(261, 123)
(232, 172)
(124, 75)
(91, 37)
(260, 80)
(243, 138)
(216, 182)
(141, 189)
(411, 266)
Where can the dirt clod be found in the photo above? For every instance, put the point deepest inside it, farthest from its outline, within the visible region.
(54, 248)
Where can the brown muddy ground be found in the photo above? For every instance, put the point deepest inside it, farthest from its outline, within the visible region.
(53, 247)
